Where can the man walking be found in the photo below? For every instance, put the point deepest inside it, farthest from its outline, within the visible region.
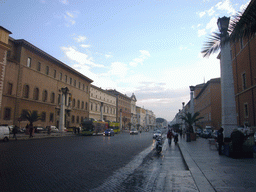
(220, 140)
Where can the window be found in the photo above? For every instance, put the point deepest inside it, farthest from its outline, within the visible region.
(59, 99)
(54, 73)
(47, 70)
(244, 81)
(79, 85)
(70, 81)
(45, 94)
(66, 78)
(43, 116)
(52, 97)
(246, 112)
(82, 105)
(86, 106)
(82, 119)
(26, 91)
(7, 113)
(9, 89)
(29, 62)
(38, 66)
(241, 43)
(51, 117)
(73, 119)
(91, 106)
(83, 87)
(77, 119)
(96, 107)
(36, 94)
(74, 102)
(60, 76)
(74, 83)
(78, 104)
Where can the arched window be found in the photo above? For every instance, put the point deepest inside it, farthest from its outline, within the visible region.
(45, 95)
(78, 104)
(36, 94)
(52, 97)
(26, 91)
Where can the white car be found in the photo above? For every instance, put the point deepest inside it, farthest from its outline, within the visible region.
(4, 133)
(53, 129)
(134, 132)
(157, 134)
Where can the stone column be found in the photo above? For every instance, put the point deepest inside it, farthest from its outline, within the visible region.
(228, 104)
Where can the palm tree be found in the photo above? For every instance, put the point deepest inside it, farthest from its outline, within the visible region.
(191, 120)
(242, 25)
(30, 116)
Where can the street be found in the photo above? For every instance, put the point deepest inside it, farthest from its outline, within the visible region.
(74, 163)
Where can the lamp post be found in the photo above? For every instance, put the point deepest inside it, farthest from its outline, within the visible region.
(64, 91)
(228, 105)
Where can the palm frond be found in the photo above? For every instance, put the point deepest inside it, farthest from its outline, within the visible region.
(212, 45)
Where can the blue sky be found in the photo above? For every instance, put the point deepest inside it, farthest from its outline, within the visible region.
(147, 47)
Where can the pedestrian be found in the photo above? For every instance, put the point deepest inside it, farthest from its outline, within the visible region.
(49, 130)
(237, 140)
(181, 133)
(30, 130)
(15, 131)
(220, 140)
(169, 136)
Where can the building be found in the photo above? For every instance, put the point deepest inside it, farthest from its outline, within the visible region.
(123, 108)
(150, 121)
(33, 81)
(134, 120)
(207, 102)
(102, 104)
(141, 118)
(244, 72)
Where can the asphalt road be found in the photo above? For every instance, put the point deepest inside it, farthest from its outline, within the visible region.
(68, 163)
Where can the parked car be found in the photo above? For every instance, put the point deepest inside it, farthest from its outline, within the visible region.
(158, 133)
(134, 132)
(206, 134)
(4, 133)
(199, 132)
(214, 134)
(109, 132)
(54, 129)
(39, 129)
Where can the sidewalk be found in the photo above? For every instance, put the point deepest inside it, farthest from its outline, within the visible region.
(212, 172)
(23, 136)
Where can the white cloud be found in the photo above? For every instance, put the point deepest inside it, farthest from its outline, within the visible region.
(144, 55)
(64, 2)
(79, 57)
(226, 6)
(212, 25)
(201, 14)
(70, 14)
(118, 69)
(79, 38)
(211, 11)
(85, 46)
(201, 32)
(108, 56)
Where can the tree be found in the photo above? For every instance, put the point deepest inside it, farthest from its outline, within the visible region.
(242, 25)
(191, 120)
(30, 116)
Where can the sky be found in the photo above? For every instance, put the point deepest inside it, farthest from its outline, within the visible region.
(151, 48)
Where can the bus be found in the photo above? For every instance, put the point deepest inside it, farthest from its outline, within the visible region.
(115, 126)
(90, 127)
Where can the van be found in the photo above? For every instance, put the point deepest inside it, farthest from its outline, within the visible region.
(4, 133)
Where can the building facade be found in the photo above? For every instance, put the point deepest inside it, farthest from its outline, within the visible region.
(150, 120)
(102, 104)
(123, 108)
(244, 71)
(141, 118)
(33, 81)
(134, 120)
(208, 103)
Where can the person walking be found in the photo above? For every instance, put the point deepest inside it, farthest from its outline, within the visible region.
(49, 130)
(15, 131)
(30, 131)
(220, 140)
(169, 136)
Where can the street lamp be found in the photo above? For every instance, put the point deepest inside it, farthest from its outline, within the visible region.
(223, 24)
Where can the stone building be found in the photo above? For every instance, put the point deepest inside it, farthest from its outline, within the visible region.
(141, 118)
(134, 120)
(33, 81)
(123, 108)
(102, 104)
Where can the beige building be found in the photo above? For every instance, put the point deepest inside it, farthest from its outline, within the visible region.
(33, 81)
(141, 117)
(102, 104)
(150, 120)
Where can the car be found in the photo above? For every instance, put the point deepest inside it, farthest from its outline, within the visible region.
(4, 133)
(39, 129)
(53, 128)
(206, 134)
(157, 134)
(134, 132)
(109, 132)
(214, 134)
(199, 132)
